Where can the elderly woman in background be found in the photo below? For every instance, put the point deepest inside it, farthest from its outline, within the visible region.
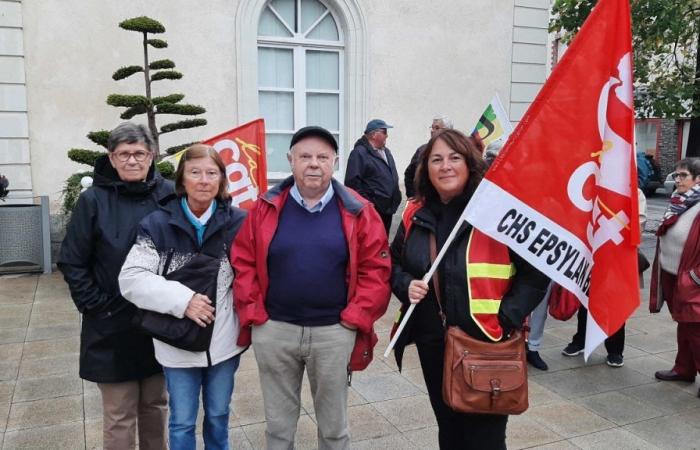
(102, 229)
(198, 220)
(450, 169)
(676, 270)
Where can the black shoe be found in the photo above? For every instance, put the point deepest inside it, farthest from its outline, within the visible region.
(572, 350)
(670, 375)
(533, 357)
(615, 360)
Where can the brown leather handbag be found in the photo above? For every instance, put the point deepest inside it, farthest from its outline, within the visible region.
(482, 377)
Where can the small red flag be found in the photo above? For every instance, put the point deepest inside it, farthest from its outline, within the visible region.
(243, 152)
(563, 191)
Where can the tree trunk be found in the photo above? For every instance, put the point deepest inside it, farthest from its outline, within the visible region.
(693, 148)
(150, 112)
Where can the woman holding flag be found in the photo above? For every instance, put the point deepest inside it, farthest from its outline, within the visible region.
(676, 270)
(449, 171)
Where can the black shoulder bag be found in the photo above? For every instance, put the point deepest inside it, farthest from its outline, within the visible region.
(199, 274)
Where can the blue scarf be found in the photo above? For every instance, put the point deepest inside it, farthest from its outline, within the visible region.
(199, 228)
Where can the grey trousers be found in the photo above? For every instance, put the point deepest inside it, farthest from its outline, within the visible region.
(283, 351)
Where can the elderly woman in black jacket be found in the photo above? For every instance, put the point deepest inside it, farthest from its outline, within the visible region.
(449, 171)
(102, 229)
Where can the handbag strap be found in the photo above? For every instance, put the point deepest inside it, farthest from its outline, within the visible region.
(436, 281)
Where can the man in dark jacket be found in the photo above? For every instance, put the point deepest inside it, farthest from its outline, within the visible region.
(372, 172)
(439, 122)
(102, 229)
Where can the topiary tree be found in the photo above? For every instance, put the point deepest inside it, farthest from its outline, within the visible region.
(161, 69)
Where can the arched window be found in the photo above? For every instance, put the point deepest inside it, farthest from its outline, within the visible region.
(300, 74)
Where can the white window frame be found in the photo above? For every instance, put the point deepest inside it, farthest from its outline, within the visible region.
(352, 45)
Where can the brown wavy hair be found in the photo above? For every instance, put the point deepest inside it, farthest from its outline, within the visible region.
(460, 143)
(198, 151)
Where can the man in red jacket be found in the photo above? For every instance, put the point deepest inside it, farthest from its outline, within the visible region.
(312, 273)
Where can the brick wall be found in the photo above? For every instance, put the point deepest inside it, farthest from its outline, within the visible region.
(668, 145)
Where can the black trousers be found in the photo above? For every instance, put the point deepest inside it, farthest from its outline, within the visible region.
(615, 344)
(457, 431)
(386, 218)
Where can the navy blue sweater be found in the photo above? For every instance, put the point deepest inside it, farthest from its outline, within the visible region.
(307, 261)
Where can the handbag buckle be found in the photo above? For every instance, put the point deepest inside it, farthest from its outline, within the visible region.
(495, 388)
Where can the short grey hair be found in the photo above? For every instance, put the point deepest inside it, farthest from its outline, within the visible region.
(130, 133)
(446, 121)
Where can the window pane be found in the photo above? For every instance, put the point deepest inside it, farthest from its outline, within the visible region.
(311, 10)
(322, 70)
(286, 10)
(278, 110)
(646, 134)
(275, 67)
(323, 110)
(326, 30)
(271, 26)
(277, 146)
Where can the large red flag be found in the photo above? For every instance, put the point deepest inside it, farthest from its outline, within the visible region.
(563, 192)
(243, 152)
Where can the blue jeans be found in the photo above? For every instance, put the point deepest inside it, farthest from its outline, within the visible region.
(184, 385)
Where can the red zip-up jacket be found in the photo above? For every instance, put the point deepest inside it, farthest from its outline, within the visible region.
(368, 272)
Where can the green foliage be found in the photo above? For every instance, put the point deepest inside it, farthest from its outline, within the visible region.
(166, 75)
(166, 169)
(665, 47)
(157, 43)
(172, 98)
(189, 123)
(99, 137)
(127, 71)
(176, 148)
(133, 111)
(162, 64)
(186, 110)
(84, 156)
(143, 24)
(127, 101)
(71, 190)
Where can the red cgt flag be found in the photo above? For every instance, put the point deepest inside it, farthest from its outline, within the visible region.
(563, 192)
(243, 152)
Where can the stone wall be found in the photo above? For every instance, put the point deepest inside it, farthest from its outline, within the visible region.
(668, 145)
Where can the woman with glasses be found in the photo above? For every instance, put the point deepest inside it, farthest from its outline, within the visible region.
(676, 270)
(113, 353)
(191, 233)
(449, 170)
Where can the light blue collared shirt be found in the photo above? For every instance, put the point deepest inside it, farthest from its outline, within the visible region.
(318, 207)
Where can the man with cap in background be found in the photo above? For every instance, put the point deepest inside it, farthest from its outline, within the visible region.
(312, 276)
(372, 172)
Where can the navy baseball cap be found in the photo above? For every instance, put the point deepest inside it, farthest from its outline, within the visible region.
(376, 124)
(314, 131)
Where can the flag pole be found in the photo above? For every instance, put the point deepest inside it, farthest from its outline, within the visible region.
(426, 279)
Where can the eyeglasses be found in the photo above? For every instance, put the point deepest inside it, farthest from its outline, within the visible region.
(139, 156)
(435, 127)
(209, 174)
(680, 175)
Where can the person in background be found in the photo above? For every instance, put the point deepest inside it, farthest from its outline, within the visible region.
(198, 221)
(440, 122)
(449, 171)
(675, 275)
(113, 353)
(312, 276)
(371, 171)
(614, 344)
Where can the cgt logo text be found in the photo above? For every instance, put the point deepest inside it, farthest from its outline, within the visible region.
(547, 247)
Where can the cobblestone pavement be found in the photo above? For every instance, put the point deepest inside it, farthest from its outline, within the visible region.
(44, 405)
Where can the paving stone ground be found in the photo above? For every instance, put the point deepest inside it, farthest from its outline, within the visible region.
(44, 405)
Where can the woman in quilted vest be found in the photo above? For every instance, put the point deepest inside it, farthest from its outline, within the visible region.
(449, 171)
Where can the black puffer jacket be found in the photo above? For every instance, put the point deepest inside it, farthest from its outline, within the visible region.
(411, 260)
(100, 234)
(371, 176)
